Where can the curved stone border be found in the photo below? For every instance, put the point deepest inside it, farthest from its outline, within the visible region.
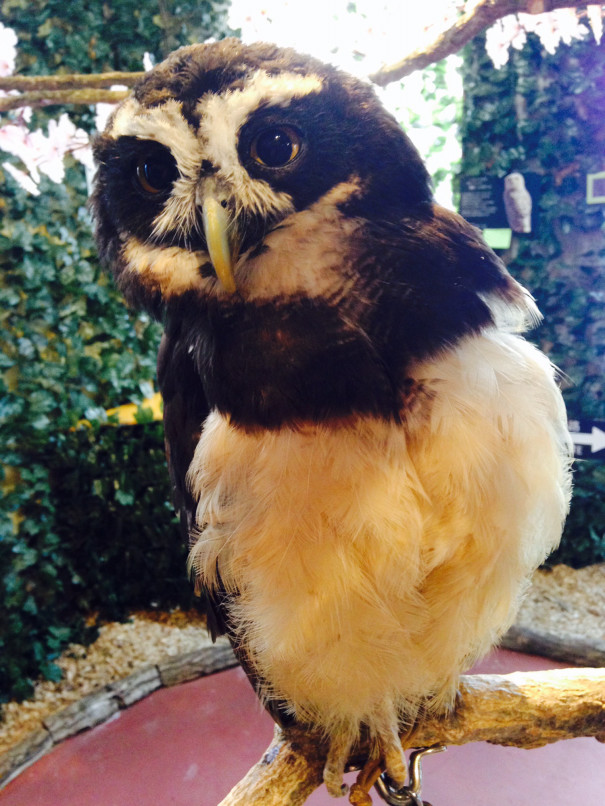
(101, 705)
(565, 648)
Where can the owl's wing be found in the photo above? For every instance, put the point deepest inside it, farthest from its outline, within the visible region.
(185, 409)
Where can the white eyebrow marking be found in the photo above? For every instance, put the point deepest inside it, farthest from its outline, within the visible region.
(164, 124)
(221, 118)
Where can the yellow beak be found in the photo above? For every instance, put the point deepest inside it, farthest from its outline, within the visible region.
(216, 230)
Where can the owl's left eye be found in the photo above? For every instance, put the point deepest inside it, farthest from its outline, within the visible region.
(276, 146)
(156, 172)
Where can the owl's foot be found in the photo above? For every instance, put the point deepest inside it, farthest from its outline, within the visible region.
(334, 770)
(391, 754)
(393, 757)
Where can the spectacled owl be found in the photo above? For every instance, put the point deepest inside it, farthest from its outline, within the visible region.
(368, 459)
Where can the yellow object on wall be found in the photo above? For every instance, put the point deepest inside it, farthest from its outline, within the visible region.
(127, 413)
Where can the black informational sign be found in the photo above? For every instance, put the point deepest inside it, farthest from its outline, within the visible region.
(588, 438)
(510, 202)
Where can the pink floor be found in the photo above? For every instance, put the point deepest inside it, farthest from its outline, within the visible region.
(188, 745)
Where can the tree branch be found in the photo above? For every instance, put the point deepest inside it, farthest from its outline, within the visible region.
(87, 89)
(68, 81)
(469, 25)
(74, 88)
(522, 710)
(61, 97)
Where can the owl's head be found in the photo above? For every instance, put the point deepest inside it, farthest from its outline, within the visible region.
(220, 146)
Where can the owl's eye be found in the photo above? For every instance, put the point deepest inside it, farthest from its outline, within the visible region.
(156, 172)
(276, 146)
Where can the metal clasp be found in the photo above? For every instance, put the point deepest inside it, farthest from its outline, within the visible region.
(410, 794)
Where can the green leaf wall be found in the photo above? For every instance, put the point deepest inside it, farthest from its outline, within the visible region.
(86, 528)
(543, 113)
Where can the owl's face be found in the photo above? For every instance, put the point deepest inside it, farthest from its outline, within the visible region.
(220, 150)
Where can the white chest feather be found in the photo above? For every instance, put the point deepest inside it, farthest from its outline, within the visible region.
(374, 561)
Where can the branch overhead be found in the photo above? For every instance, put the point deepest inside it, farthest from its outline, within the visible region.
(87, 97)
(79, 88)
(469, 25)
(68, 81)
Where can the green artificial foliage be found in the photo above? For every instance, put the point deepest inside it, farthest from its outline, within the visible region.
(94, 36)
(87, 532)
(541, 113)
(85, 521)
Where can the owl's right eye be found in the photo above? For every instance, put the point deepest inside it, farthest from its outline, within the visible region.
(276, 146)
(156, 172)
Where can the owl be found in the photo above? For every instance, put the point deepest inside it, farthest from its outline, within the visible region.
(369, 461)
(517, 203)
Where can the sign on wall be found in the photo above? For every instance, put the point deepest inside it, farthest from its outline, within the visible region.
(588, 438)
(509, 202)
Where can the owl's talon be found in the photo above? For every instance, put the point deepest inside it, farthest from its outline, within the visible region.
(391, 746)
(336, 788)
(334, 769)
(394, 759)
(333, 781)
(397, 774)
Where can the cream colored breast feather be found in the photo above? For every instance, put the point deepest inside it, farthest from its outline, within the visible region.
(376, 561)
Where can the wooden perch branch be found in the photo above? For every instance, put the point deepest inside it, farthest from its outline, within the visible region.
(469, 25)
(525, 710)
(58, 97)
(75, 88)
(69, 81)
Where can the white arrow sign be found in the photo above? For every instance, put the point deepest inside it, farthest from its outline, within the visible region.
(595, 440)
